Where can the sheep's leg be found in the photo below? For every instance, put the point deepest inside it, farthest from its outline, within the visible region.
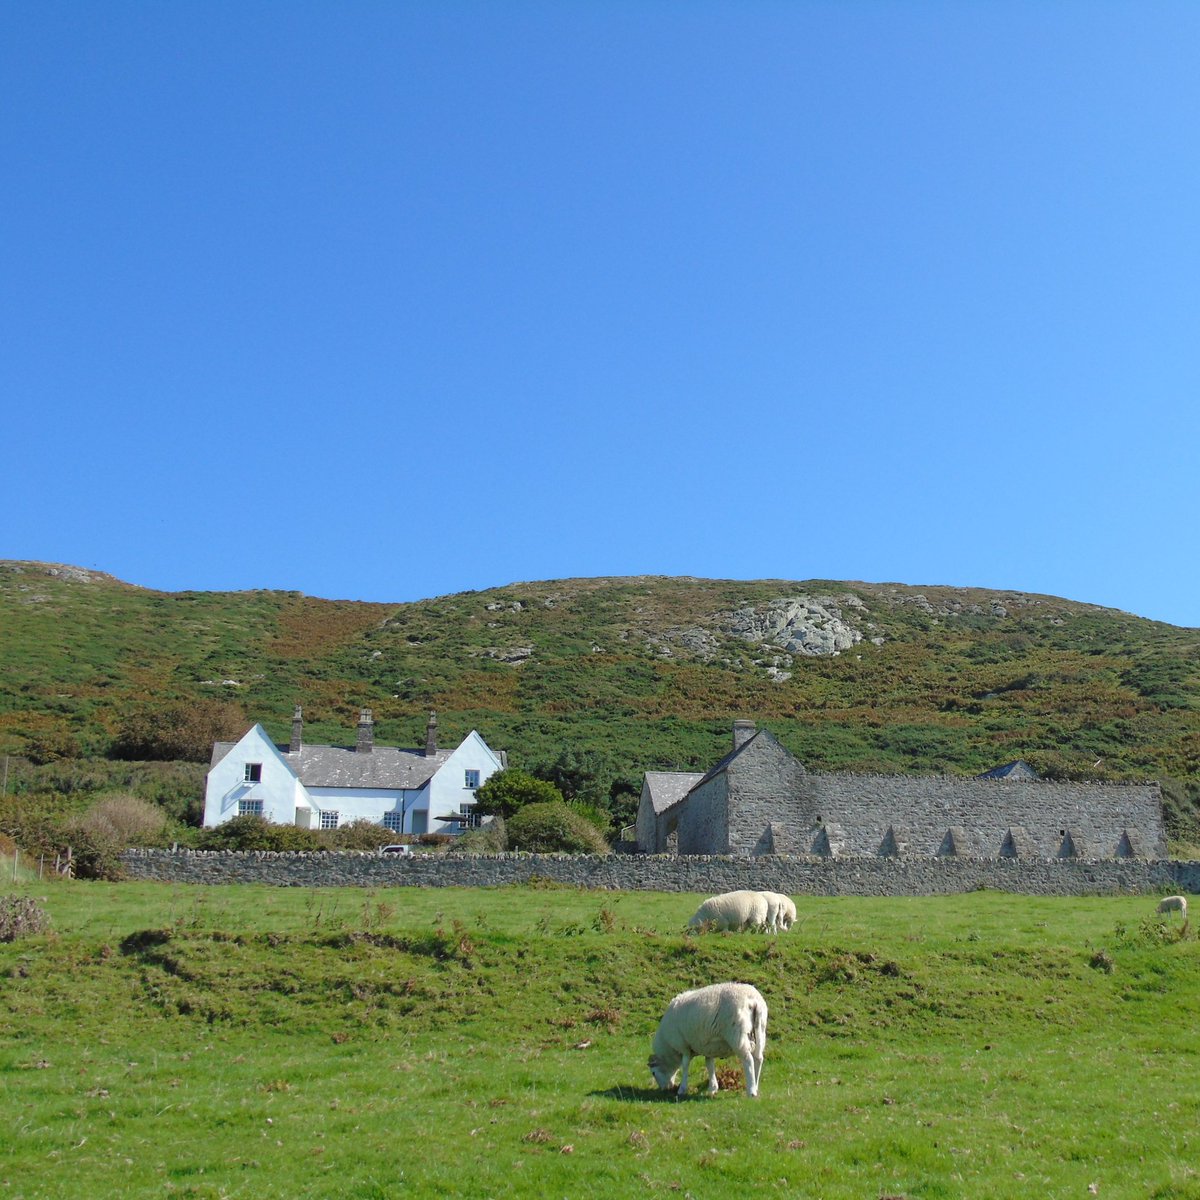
(711, 1064)
(749, 1070)
(687, 1062)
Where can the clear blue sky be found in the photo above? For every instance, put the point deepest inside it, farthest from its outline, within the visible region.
(384, 301)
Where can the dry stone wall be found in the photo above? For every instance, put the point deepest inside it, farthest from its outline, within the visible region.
(667, 873)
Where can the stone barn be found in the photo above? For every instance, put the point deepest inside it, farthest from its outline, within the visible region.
(759, 799)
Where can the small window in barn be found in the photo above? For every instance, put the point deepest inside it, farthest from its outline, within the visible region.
(250, 808)
(329, 820)
(254, 772)
(471, 780)
(393, 821)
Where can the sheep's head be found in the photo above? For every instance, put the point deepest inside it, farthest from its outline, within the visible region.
(664, 1074)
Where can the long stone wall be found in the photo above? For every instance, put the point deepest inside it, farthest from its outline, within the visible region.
(666, 873)
(921, 809)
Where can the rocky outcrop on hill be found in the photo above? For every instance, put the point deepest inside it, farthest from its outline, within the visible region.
(810, 626)
(807, 625)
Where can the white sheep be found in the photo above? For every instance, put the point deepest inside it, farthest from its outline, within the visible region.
(781, 912)
(1170, 904)
(714, 1021)
(732, 911)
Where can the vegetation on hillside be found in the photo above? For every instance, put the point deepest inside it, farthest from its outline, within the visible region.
(589, 682)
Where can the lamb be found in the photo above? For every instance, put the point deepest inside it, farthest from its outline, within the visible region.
(1170, 904)
(781, 912)
(715, 1021)
(732, 911)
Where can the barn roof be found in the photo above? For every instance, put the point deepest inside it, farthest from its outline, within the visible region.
(669, 787)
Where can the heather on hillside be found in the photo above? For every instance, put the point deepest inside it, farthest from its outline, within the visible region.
(639, 673)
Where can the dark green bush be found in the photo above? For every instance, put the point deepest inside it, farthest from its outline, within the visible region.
(491, 839)
(358, 835)
(510, 790)
(184, 730)
(547, 828)
(255, 833)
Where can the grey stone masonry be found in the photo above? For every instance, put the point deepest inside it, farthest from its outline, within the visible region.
(913, 814)
(667, 873)
(366, 732)
(759, 800)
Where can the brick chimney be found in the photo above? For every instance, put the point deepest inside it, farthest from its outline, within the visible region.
(297, 731)
(431, 736)
(743, 731)
(366, 732)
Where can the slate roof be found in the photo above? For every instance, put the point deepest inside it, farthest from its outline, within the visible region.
(1013, 770)
(387, 767)
(669, 787)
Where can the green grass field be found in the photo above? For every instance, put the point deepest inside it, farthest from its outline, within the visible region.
(252, 1042)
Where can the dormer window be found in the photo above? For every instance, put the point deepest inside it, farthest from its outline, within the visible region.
(254, 772)
(471, 780)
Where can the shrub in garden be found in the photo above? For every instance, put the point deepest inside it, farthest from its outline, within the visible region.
(358, 835)
(546, 828)
(510, 790)
(492, 838)
(256, 833)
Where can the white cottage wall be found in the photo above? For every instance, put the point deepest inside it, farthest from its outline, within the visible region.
(280, 792)
(448, 789)
(369, 804)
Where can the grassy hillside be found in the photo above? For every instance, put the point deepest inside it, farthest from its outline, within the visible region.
(647, 671)
(256, 1042)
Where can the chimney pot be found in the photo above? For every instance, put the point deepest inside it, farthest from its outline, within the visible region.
(297, 731)
(431, 736)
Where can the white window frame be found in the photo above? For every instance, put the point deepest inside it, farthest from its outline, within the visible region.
(250, 808)
(252, 773)
(471, 779)
(471, 818)
(393, 821)
(330, 818)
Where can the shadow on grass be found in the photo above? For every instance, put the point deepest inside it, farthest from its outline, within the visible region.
(646, 1095)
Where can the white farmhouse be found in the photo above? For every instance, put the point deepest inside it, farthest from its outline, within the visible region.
(322, 787)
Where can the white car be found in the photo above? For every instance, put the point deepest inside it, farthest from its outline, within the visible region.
(395, 849)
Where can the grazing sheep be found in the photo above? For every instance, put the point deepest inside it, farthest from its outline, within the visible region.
(1170, 904)
(732, 911)
(781, 912)
(714, 1021)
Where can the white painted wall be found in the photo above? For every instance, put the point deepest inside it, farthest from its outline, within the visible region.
(448, 790)
(287, 802)
(279, 789)
(370, 804)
